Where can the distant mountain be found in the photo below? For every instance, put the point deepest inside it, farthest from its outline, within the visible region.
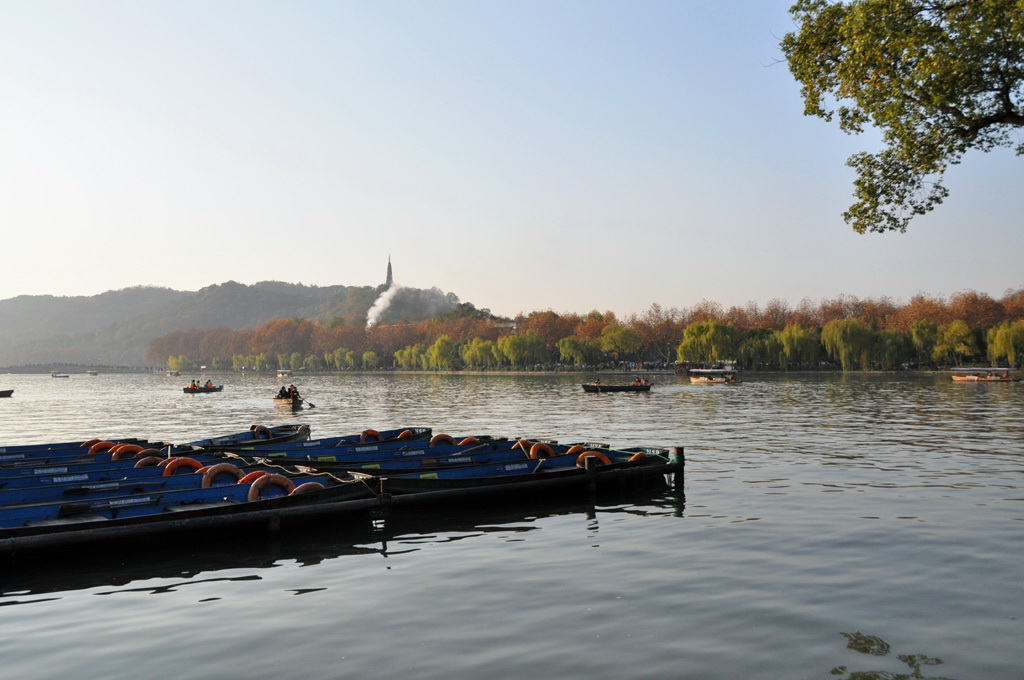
(114, 328)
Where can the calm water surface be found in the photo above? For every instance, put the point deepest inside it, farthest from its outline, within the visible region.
(827, 527)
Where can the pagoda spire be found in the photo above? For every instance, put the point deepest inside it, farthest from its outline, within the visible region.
(390, 280)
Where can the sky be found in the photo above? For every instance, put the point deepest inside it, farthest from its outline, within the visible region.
(524, 155)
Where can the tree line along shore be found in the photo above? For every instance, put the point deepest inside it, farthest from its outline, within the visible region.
(843, 333)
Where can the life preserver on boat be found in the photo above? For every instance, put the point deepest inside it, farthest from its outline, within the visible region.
(575, 448)
(90, 442)
(176, 463)
(522, 444)
(122, 450)
(262, 432)
(442, 438)
(100, 446)
(582, 460)
(404, 434)
(302, 429)
(369, 436)
(149, 461)
(252, 476)
(306, 487)
(469, 440)
(637, 456)
(211, 472)
(539, 449)
(149, 452)
(256, 489)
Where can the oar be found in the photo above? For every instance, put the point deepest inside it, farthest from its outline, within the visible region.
(311, 404)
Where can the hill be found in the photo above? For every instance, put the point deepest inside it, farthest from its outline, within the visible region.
(114, 328)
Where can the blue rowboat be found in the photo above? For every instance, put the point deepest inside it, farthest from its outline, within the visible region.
(177, 502)
(149, 479)
(528, 479)
(402, 435)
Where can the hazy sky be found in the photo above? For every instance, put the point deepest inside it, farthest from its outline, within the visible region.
(523, 155)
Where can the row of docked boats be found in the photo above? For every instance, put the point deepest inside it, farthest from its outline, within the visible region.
(63, 495)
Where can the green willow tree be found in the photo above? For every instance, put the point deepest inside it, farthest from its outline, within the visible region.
(1005, 341)
(707, 342)
(954, 342)
(849, 341)
(936, 77)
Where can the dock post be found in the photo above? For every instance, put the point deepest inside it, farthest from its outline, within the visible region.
(590, 465)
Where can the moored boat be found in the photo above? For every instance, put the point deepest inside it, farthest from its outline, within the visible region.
(713, 376)
(984, 375)
(6, 393)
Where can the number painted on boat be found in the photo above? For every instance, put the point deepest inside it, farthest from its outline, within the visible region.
(13, 456)
(50, 471)
(69, 478)
(131, 501)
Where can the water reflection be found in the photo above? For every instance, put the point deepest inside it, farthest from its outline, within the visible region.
(875, 646)
(191, 560)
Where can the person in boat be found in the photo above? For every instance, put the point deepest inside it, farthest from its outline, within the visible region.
(193, 384)
(209, 383)
(293, 392)
(282, 393)
(638, 381)
(597, 383)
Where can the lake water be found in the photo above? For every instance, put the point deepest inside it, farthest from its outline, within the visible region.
(867, 527)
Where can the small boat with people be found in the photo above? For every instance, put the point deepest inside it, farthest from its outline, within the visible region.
(202, 388)
(713, 376)
(984, 375)
(290, 398)
(638, 385)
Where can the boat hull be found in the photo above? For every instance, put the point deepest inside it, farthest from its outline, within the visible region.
(616, 388)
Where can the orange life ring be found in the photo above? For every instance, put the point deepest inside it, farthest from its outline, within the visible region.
(90, 442)
(365, 435)
(637, 456)
(176, 463)
(404, 433)
(122, 450)
(252, 476)
(522, 444)
(256, 490)
(439, 438)
(149, 461)
(100, 446)
(582, 460)
(149, 452)
(210, 473)
(262, 432)
(469, 440)
(541, 448)
(575, 448)
(307, 487)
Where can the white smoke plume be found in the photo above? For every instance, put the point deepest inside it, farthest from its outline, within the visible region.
(381, 304)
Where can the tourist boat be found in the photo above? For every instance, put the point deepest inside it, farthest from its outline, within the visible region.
(92, 372)
(713, 376)
(171, 374)
(284, 373)
(6, 393)
(59, 375)
(632, 387)
(983, 375)
(202, 389)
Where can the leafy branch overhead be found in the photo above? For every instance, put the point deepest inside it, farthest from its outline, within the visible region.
(937, 78)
